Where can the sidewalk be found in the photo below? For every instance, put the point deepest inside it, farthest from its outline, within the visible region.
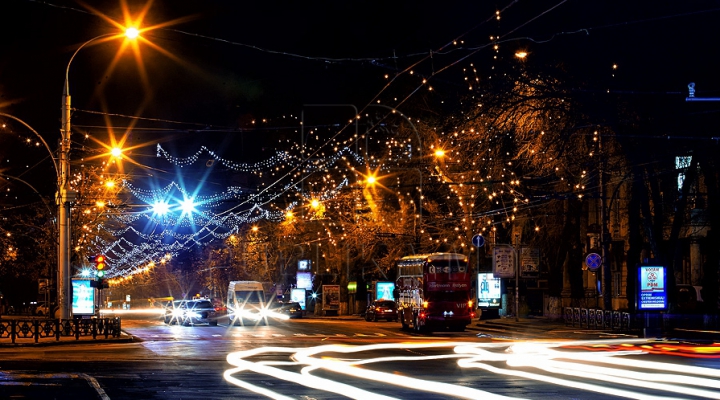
(540, 328)
(507, 328)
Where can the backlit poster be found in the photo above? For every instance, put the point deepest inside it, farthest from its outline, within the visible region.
(652, 290)
(384, 291)
(298, 295)
(489, 290)
(83, 297)
(304, 280)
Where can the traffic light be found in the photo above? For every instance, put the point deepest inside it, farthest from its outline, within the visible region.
(100, 266)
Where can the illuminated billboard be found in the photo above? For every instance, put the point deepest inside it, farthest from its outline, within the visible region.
(298, 295)
(304, 280)
(384, 291)
(304, 265)
(652, 288)
(83, 297)
(489, 290)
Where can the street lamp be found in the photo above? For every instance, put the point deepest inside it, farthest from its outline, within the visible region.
(65, 196)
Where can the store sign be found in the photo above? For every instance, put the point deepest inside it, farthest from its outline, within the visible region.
(83, 297)
(652, 288)
(489, 290)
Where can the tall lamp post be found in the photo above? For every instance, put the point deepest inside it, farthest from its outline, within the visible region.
(65, 196)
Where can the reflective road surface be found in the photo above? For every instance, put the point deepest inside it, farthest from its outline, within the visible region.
(351, 358)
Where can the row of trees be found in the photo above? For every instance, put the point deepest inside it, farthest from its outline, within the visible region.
(523, 158)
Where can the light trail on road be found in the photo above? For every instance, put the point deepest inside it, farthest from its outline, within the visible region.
(563, 363)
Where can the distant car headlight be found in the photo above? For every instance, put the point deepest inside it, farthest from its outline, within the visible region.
(177, 313)
(193, 314)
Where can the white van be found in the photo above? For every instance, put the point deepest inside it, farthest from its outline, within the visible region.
(246, 303)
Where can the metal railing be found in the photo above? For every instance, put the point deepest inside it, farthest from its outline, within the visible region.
(591, 318)
(59, 328)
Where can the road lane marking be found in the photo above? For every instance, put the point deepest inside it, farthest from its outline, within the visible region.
(11, 377)
(95, 384)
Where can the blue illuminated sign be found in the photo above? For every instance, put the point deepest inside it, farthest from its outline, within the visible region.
(384, 291)
(652, 288)
(83, 297)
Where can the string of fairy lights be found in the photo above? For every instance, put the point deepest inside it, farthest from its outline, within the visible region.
(479, 184)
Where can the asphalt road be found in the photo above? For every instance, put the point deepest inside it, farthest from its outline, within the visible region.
(330, 359)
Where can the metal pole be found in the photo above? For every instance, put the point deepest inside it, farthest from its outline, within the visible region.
(65, 196)
(604, 236)
(63, 203)
(517, 281)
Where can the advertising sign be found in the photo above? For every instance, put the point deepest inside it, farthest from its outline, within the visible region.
(331, 297)
(504, 261)
(384, 291)
(298, 295)
(529, 262)
(304, 280)
(489, 290)
(652, 290)
(304, 265)
(83, 297)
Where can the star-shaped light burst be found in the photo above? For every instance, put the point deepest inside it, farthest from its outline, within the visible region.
(187, 206)
(131, 30)
(161, 207)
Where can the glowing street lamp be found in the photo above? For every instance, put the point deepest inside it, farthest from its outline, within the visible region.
(65, 196)
(132, 32)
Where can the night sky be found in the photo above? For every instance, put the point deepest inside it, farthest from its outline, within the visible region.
(215, 66)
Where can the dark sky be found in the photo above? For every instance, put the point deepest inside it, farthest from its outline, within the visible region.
(232, 58)
(226, 63)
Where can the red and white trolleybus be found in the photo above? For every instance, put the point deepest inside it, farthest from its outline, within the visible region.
(434, 292)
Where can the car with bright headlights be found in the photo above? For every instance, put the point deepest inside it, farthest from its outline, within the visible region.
(191, 312)
(174, 312)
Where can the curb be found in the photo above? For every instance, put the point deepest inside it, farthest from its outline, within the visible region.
(124, 338)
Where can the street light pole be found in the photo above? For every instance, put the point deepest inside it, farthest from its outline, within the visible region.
(65, 195)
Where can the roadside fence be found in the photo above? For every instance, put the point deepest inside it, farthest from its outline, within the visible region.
(591, 318)
(97, 328)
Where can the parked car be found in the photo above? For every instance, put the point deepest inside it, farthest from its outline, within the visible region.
(43, 310)
(382, 309)
(290, 308)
